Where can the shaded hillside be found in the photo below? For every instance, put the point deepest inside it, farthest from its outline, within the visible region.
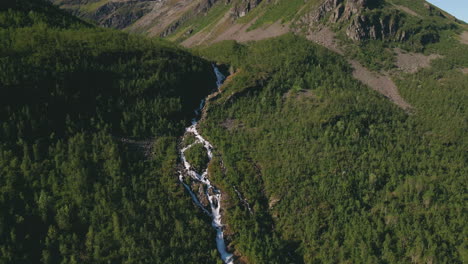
(72, 190)
(25, 13)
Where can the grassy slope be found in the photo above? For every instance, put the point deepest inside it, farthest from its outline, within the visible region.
(264, 14)
(201, 23)
(283, 11)
(92, 7)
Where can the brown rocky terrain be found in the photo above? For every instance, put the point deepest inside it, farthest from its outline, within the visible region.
(155, 17)
(411, 62)
(464, 37)
(380, 82)
(163, 18)
(226, 29)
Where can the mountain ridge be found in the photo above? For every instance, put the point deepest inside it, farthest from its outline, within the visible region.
(179, 20)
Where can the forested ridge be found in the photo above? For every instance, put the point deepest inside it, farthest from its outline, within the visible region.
(334, 172)
(72, 190)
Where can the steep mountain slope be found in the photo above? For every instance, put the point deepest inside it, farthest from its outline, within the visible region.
(74, 188)
(108, 13)
(333, 172)
(416, 22)
(343, 140)
(371, 34)
(206, 19)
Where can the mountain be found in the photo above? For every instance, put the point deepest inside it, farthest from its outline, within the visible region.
(339, 135)
(208, 21)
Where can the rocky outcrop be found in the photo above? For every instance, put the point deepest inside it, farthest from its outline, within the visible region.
(245, 6)
(380, 26)
(205, 5)
(114, 14)
(121, 14)
(358, 19)
(200, 191)
(339, 10)
(365, 19)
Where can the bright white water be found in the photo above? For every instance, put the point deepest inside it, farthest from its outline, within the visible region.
(212, 193)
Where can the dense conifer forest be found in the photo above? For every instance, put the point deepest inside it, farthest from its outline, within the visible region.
(314, 166)
(73, 190)
(334, 172)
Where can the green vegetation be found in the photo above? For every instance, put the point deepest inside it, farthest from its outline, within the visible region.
(93, 6)
(189, 139)
(374, 54)
(228, 51)
(25, 13)
(202, 22)
(314, 166)
(333, 171)
(282, 11)
(377, 54)
(71, 190)
(268, 12)
(197, 157)
(439, 92)
(414, 28)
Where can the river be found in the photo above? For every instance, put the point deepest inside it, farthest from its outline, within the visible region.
(212, 193)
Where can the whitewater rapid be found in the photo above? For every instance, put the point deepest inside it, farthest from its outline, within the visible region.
(212, 193)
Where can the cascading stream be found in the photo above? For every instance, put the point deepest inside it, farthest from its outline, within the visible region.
(212, 193)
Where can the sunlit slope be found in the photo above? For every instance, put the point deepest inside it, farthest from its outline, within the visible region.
(333, 171)
(203, 22)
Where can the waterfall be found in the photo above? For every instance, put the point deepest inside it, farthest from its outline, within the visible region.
(212, 193)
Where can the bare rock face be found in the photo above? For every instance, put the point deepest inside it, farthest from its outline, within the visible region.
(121, 14)
(339, 10)
(244, 7)
(327, 7)
(383, 27)
(205, 5)
(362, 18)
(199, 190)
